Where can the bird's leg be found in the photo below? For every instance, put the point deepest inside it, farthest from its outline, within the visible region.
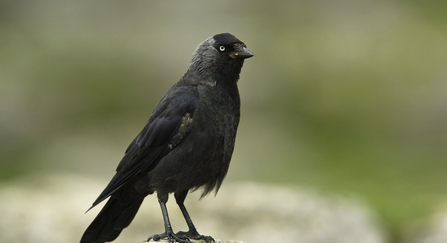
(169, 233)
(192, 232)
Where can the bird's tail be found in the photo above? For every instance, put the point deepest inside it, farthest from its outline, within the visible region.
(113, 218)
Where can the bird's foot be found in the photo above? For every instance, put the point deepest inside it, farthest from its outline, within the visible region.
(170, 236)
(193, 234)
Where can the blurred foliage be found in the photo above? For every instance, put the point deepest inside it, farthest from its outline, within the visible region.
(347, 97)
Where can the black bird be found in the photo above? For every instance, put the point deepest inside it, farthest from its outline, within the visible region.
(186, 144)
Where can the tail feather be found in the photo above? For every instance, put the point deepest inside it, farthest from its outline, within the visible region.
(112, 219)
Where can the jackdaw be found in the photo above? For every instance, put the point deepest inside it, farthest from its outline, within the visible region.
(186, 144)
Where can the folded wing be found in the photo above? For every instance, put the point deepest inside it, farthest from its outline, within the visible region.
(156, 138)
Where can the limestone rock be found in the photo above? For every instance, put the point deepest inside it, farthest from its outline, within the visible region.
(50, 208)
(200, 241)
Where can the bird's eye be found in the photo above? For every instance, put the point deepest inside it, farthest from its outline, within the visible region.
(222, 48)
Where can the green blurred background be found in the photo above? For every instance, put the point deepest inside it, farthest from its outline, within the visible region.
(344, 97)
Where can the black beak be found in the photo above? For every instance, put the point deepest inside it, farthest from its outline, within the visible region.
(241, 52)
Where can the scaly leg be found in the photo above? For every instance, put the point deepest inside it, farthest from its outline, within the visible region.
(192, 232)
(169, 234)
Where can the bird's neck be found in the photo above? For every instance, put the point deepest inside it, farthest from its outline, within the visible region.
(224, 74)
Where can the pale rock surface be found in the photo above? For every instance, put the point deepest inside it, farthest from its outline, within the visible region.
(50, 208)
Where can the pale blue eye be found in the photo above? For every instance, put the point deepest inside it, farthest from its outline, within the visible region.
(222, 48)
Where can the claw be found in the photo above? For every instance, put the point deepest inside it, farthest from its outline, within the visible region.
(171, 237)
(195, 236)
(156, 237)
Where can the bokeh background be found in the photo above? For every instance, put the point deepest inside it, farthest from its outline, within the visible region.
(342, 97)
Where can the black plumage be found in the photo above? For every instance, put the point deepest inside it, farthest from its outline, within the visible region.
(186, 144)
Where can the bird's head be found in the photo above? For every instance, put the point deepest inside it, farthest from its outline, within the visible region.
(222, 55)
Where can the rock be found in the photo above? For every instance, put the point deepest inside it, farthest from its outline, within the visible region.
(50, 208)
(200, 241)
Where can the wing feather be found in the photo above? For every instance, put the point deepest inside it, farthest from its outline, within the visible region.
(151, 143)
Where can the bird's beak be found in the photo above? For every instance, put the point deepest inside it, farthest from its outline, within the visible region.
(241, 52)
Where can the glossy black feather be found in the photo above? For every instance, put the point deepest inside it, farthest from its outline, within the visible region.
(186, 144)
(154, 138)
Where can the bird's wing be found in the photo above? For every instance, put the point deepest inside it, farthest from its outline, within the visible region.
(161, 132)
